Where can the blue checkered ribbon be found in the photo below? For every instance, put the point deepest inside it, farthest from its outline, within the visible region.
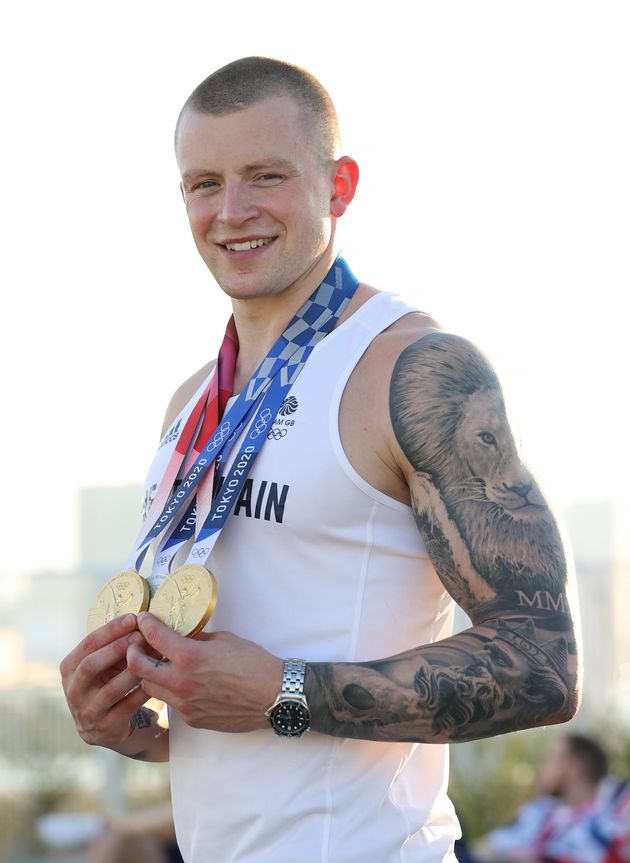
(310, 325)
(265, 391)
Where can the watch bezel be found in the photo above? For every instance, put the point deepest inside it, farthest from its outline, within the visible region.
(294, 702)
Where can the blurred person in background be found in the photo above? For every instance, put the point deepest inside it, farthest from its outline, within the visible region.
(576, 815)
(147, 836)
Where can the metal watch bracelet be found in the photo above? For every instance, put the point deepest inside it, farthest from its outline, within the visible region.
(293, 677)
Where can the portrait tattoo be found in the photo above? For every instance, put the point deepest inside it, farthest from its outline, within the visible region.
(512, 682)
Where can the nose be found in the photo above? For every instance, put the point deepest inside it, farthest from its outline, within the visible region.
(522, 490)
(236, 205)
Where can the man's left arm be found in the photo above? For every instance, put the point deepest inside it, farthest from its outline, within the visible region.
(495, 546)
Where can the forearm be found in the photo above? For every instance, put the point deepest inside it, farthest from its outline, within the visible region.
(147, 740)
(502, 675)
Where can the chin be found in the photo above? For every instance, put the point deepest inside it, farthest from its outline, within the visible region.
(248, 291)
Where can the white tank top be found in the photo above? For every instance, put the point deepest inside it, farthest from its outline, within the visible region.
(316, 563)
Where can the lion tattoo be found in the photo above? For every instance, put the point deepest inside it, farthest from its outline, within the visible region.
(484, 520)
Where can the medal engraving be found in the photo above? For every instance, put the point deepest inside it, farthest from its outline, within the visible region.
(125, 593)
(186, 599)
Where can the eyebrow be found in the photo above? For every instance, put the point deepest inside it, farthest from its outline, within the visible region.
(265, 164)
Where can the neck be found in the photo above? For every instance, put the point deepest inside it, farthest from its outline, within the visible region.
(261, 320)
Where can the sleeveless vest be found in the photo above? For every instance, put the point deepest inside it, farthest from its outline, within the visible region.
(316, 563)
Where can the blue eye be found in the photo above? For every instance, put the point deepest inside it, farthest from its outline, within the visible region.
(487, 438)
(269, 178)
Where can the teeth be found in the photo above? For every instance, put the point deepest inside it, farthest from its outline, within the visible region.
(250, 244)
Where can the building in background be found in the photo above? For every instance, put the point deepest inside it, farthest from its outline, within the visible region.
(109, 520)
(602, 567)
(44, 616)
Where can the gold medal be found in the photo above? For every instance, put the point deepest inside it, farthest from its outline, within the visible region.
(125, 593)
(186, 599)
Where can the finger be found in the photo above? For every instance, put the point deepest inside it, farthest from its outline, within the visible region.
(156, 690)
(97, 668)
(127, 706)
(115, 691)
(160, 636)
(147, 666)
(117, 628)
(159, 680)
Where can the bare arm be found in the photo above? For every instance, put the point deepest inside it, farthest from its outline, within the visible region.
(496, 548)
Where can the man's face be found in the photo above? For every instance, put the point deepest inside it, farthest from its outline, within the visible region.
(257, 193)
(557, 770)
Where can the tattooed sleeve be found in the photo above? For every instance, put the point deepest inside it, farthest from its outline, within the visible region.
(495, 546)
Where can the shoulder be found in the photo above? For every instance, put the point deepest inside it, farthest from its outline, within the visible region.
(184, 393)
(387, 346)
(440, 364)
(408, 354)
(442, 390)
(364, 422)
(415, 393)
(441, 350)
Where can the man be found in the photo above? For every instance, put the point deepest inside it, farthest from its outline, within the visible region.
(576, 817)
(388, 486)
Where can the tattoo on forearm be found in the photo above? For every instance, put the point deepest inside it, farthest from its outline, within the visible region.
(491, 679)
(496, 547)
(142, 718)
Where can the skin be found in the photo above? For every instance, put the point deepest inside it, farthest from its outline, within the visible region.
(564, 775)
(255, 175)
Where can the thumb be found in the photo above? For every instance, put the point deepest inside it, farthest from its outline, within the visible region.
(160, 636)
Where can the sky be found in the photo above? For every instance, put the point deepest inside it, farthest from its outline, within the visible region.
(492, 139)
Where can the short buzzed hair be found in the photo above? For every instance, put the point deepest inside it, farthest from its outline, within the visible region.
(252, 79)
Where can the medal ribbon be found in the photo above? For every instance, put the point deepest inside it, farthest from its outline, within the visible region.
(267, 388)
(222, 384)
(210, 405)
(179, 453)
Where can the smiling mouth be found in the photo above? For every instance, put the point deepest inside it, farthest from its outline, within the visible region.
(248, 245)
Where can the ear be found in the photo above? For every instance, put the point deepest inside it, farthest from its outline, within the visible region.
(345, 182)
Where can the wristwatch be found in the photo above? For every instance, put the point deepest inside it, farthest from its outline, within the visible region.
(289, 714)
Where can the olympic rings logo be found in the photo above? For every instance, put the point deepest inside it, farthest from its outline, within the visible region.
(163, 560)
(221, 434)
(261, 424)
(200, 552)
(276, 434)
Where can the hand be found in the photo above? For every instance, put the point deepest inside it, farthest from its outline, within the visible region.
(216, 680)
(102, 693)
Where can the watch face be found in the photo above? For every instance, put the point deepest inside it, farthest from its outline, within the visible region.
(290, 718)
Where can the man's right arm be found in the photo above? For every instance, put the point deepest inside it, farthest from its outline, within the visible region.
(106, 700)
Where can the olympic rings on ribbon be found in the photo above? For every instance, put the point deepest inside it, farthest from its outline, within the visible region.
(220, 434)
(260, 426)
